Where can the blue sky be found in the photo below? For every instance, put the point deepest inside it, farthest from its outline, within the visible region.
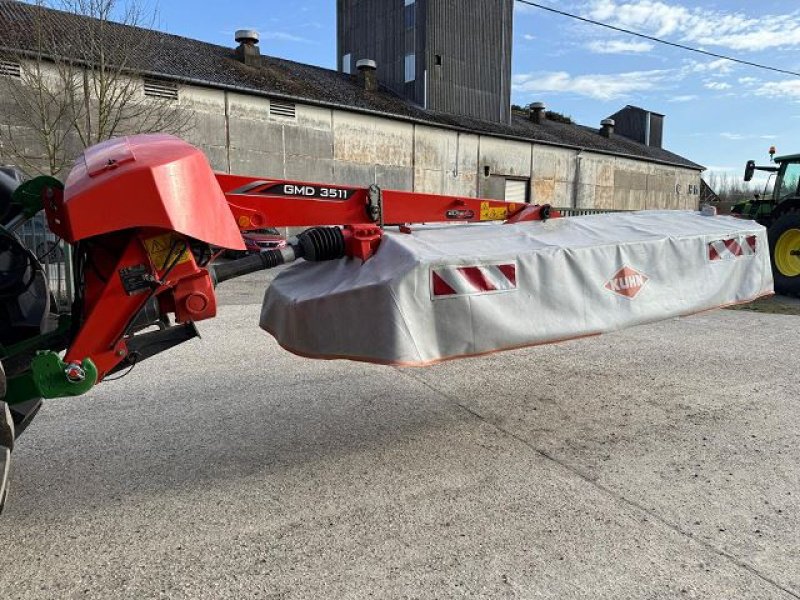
(718, 113)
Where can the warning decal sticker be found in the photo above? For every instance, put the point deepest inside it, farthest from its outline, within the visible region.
(489, 213)
(732, 248)
(160, 247)
(454, 281)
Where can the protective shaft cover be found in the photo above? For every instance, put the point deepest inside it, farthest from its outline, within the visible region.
(145, 181)
(457, 291)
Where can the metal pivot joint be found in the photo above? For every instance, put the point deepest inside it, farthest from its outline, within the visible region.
(375, 205)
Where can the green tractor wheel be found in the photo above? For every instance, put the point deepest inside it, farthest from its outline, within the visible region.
(784, 246)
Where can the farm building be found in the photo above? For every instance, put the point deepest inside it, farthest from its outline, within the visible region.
(255, 114)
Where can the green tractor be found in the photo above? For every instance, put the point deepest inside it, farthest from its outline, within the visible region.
(780, 214)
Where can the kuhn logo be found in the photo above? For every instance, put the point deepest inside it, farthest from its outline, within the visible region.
(627, 282)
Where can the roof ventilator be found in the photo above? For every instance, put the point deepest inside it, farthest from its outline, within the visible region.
(607, 127)
(537, 113)
(368, 72)
(248, 51)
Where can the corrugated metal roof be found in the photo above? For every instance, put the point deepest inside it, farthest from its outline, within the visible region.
(192, 61)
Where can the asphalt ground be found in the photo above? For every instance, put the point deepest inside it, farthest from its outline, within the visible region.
(776, 305)
(657, 462)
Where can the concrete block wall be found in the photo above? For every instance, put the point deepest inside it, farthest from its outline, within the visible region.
(367, 150)
(337, 146)
(239, 134)
(209, 125)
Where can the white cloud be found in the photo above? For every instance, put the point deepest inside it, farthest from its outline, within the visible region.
(619, 47)
(600, 87)
(720, 66)
(529, 37)
(788, 89)
(683, 98)
(703, 26)
(726, 169)
(282, 36)
(741, 136)
(713, 75)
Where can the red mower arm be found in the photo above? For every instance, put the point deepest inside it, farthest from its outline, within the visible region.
(136, 208)
(276, 203)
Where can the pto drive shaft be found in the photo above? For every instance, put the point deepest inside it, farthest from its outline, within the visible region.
(315, 244)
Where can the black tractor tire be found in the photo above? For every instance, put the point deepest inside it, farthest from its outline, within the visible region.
(7, 435)
(787, 284)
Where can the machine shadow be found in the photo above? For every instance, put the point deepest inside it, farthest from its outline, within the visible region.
(183, 447)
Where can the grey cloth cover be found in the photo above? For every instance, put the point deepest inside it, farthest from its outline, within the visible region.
(451, 291)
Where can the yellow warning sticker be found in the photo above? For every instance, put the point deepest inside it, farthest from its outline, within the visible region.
(163, 250)
(489, 213)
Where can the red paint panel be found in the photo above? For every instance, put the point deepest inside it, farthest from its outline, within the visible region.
(154, 181)
(477, 279)
(733, 247)
(440, 287)
(510, 272)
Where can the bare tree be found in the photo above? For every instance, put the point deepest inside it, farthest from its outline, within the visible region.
(80, 83)
(38, 123)
(731, 188)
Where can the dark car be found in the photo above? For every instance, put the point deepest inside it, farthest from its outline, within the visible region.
(259, 240)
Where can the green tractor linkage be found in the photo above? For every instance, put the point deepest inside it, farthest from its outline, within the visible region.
(32, 330)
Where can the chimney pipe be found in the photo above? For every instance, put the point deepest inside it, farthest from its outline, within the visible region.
(368, 70)
(607, 127)
(537, 113)
(248, 51)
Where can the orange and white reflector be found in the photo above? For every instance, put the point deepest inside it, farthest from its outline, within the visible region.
(473, 280)
(732, 248)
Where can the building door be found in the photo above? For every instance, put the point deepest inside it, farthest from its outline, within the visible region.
(517, 190)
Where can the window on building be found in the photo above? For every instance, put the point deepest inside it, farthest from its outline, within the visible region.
(409, 14)
(346, 66)
(411, 67)
(437, 60)
(516, 190)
